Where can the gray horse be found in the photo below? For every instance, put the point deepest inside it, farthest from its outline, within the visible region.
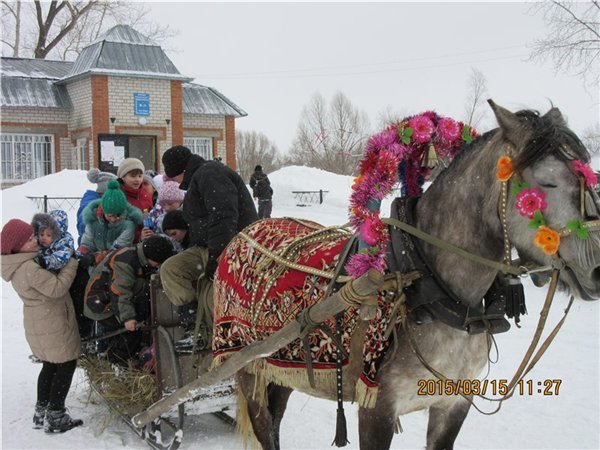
(461, 207)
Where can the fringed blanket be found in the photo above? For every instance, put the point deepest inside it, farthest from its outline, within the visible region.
(255, 296)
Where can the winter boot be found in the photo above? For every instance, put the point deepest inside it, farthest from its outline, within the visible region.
(59, 421)
(38, 417)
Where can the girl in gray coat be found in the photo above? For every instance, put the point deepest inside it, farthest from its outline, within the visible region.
(49, 320)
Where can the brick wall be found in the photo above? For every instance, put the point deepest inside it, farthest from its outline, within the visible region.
(80, 121)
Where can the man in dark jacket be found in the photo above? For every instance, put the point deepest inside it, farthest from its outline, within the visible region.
(217, 206)
(261, 190)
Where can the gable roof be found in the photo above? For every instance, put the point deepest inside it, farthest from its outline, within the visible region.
(199, 99)
(124, 51)
(31, 83)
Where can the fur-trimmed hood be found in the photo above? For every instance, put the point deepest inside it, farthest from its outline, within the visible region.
(57, 221)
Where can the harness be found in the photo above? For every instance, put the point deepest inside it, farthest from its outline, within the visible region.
(429, 297)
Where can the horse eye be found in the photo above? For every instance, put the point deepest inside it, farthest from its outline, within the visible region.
(548, 185)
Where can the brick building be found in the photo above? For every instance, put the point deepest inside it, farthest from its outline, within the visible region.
(122, 97)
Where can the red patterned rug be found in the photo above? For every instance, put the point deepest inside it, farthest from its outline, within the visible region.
(255, 296)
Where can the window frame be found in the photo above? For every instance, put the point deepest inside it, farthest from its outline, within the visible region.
(38, 150)
(202, 146)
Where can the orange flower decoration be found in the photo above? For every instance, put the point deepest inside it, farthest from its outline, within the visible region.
(357, 181)
(547, 239)
(505, 168)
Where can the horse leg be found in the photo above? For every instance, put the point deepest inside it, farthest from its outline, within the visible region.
(445, 423)
(376, 426)
(257, 410)
(278, 398)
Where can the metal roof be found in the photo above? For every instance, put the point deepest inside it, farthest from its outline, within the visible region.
(199, 99)
(34, 68)
(125, 52)
(33, 92)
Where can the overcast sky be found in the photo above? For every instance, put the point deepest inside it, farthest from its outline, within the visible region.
(270, 58)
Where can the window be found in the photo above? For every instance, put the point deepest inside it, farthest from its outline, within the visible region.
(199, 146)
(26, 156)
(81, 154)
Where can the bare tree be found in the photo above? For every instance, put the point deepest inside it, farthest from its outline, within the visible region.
(253, 148)
(573, 38)
(62, 29)
(591, 138)
(11, 13)
(330, 137)
(388, 116)
(476, 97)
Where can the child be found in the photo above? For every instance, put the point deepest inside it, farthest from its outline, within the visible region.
(150, 185)
(117, 293)
(131, 177)
(109, 224)
(101, 179)
(49, 321)
(56, 244)
(170, 198)
(176, 228)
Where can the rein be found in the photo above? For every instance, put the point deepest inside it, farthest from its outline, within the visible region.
(529, 359)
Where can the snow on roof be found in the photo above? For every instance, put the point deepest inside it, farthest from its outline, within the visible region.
(199, 99)
(124, 34)
(33, 92)
(34, 68)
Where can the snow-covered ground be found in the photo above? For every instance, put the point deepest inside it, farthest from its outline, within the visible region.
(570, 419)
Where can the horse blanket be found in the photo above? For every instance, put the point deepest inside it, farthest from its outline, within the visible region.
(255, 296)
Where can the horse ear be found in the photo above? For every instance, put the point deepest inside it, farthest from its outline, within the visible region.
(511, 125)
(556, 116)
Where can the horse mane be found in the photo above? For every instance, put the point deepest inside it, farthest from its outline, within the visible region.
(550, 136)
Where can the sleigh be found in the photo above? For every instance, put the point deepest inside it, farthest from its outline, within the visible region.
(171, 371)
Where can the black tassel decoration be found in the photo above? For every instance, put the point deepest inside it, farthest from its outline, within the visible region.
(341, 432)
(515, 297)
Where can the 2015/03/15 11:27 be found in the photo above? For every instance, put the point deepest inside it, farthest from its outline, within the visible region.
(487, 387)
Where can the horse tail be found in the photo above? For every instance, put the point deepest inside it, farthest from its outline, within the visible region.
(244, 428)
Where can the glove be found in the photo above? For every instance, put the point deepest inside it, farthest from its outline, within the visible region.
(211, 267)
(86, 260)
(100, 256)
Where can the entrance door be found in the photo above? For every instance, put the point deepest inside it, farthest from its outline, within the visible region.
(143, 148)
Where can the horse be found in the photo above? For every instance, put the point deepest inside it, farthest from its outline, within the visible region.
(460, 207)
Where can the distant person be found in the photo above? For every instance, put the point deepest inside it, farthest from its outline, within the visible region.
(262, 191)
(101, 179)
(216, 207)
(49, 321)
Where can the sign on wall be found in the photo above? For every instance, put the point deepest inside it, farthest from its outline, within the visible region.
(141, 104)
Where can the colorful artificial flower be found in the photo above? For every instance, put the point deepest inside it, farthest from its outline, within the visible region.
(449, 129)
(586, 172)
(537, 220)
(547, 239)
(422, 127)
(505, 168)
(529, 201)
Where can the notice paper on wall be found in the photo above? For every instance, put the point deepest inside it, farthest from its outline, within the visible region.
(119, 154)
(107, 151)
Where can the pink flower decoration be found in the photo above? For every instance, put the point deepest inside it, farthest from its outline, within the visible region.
(530, 200)
(422, 127)
(586, 172)
(368, 231)
(449, 129)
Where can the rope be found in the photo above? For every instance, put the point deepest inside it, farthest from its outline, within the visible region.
(504, 268)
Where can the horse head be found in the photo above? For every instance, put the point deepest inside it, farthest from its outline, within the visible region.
(552, 204)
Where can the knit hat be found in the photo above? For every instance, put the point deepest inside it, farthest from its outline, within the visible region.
(149, 176)
(113, 200)
(128, 165)
(101, 179)
(14, 235)
(258, 168)
(157, 248)
(174, 220)
(175, 160)
(169, 192)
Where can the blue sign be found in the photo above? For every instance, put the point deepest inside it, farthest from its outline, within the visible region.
(141, 104)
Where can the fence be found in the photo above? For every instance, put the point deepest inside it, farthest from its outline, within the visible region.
(305, 197)
(46, 203)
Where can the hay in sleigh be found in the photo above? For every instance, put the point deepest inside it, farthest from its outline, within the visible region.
(126, 388)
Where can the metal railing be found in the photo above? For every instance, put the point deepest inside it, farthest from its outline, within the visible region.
(305, 197)
(46, 203)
